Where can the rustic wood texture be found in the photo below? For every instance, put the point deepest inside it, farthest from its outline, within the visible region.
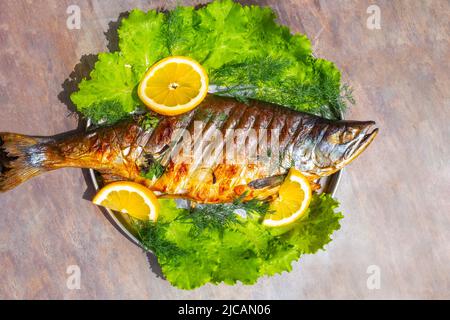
(395, 196)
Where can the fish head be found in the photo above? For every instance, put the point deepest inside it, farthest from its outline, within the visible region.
(331, 146)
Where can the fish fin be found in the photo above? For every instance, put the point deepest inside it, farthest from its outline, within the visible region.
(21, 158)
(271, 181)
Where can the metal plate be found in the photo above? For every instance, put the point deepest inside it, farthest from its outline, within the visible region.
(122, 221)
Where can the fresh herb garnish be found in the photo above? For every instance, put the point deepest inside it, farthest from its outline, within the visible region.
(106, 112)
(154, 238)
(149, 122)
(222, 117)
(266, 79)
(222, 215)
(152, 169)
(205, 115)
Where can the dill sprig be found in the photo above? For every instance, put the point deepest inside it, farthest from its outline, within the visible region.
(266, 79)
(174, 29)
(152, 237)
(105, 112)
(222, 215)
(152, 169)
(148, 122)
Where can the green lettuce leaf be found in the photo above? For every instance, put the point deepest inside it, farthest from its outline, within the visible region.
(142, 40)
(243, 252)
(246, 53)
(109, 94)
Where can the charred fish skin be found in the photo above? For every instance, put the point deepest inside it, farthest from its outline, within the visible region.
(315, 146)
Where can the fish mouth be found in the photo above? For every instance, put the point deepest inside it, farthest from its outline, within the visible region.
(367, 135)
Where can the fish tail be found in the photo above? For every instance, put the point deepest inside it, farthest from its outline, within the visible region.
(21, 158)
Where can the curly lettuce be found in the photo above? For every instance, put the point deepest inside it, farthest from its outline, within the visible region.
(245, 52)
(244, 251)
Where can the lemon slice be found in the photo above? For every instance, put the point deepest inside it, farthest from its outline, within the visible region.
(129, 197)
(292, 202)
(174, 85)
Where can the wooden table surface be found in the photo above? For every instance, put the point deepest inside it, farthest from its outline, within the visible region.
(396, 196)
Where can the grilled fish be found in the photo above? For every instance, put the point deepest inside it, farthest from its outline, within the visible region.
(221, 150)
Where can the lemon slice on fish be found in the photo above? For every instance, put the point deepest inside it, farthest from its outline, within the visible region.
(174, 85)
(293, 200)
(129, 197)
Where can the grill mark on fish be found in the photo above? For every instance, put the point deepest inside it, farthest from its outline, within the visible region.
(233, 121)
(182, 123)
(291, 128)
(175, 141)
(275, 128)
(264, 123)
(300, 145)
(246, 114)
(218, 144)
(199, 145)
(245, 123)
(321, 134)
(195, 166)
(247, 126)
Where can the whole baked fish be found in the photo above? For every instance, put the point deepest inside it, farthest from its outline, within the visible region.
(221, 150)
